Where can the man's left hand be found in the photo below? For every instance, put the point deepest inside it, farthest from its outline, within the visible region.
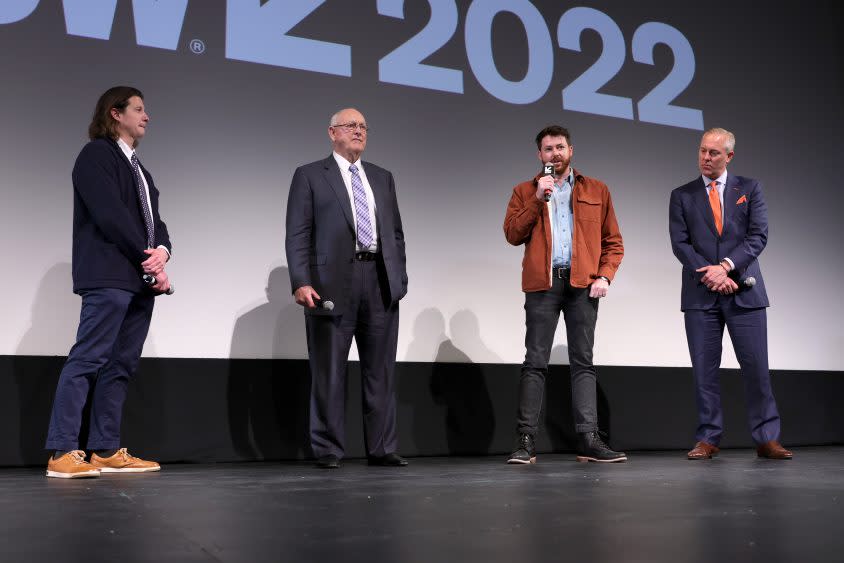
(714, 276)
(599, 288)
(155, 263)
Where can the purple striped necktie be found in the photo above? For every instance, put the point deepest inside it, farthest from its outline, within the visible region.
(365, 237)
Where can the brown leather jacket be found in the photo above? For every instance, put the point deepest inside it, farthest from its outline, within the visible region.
(597, 247)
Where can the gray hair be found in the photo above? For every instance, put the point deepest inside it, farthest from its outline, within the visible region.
(729, 138)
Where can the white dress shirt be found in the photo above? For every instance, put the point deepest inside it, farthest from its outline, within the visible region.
(370, 199)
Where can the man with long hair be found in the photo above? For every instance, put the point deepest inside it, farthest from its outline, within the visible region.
(120, 249)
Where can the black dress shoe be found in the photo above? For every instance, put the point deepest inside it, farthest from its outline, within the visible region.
(591, 447)
(525, 451)
(328, 462)
(389, 460)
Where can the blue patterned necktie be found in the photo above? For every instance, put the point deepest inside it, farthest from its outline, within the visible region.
(361, 210)
(142, 196)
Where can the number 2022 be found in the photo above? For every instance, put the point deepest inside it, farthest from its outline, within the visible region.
(403, 65)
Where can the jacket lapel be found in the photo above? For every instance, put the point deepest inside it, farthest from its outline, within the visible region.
(732, 192)
(335, 180)
(122, 156)
(701, 199)
(378, 186)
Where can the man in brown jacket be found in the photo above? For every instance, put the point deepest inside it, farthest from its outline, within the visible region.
(573, 248)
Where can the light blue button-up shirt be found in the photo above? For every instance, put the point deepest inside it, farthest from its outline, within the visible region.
(561, 222)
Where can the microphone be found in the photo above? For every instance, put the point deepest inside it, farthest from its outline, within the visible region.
(747, 283)
(548, 170)
(150, 280)
(327, 305)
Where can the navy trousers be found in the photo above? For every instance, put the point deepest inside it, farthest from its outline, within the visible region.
(374, 324)
(113, 325)
(749, 334)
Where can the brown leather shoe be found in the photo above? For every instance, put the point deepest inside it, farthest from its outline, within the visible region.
(703, 450)
(123, 462)
(773, 450)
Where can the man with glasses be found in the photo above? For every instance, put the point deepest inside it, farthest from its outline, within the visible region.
(345, 253)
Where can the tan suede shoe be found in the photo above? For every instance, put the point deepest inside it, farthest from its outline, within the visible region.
(122, 462)
(71, 465)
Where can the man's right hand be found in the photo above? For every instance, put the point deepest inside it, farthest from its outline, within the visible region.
(728, 287)
(306, 296)
(544, 184)
(162, 282)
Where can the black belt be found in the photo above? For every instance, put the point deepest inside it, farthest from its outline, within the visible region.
(560, 272)
(365, 256)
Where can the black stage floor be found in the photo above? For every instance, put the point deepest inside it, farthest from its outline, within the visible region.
(656, 507)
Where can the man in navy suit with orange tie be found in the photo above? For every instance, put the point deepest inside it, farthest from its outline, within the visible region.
(345, 252)
(719, 226)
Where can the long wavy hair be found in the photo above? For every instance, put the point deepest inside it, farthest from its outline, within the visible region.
(103, 124)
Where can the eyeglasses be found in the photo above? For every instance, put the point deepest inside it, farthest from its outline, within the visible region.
(352, 126)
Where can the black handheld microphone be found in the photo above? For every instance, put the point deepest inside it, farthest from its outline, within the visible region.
(150, 280)
(548, 170)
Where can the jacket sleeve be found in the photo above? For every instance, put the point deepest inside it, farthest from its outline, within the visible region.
(612, 245)
(678, 230)
(398, 231)
(756, 237)
(95, 180)
(521, 217)
(300, 219)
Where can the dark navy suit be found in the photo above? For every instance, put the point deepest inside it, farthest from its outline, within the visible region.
(696, 243)
(321, 252)
(109, 239)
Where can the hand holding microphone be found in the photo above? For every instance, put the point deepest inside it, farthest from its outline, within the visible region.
(732, 286)
(151, 281)
(545, 184)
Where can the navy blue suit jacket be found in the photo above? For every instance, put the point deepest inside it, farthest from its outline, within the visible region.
(109, 236)
(696, 243)
(320, 240)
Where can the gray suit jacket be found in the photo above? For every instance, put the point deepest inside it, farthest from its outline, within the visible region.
(320, 241)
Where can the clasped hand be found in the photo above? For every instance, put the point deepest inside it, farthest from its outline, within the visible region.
(715, 278)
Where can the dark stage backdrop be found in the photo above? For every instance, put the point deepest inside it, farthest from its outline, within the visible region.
(240, 93)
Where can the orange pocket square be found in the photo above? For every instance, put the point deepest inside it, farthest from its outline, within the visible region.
(741, 200)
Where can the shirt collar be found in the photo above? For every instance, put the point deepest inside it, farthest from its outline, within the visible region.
(722, 179)
(127, 150)
(343, 163)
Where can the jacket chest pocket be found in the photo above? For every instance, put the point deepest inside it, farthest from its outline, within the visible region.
(587, 210)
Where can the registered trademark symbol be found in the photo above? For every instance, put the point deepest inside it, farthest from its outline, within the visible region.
(197, 46)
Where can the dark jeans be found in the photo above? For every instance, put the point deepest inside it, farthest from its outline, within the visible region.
(542, 311)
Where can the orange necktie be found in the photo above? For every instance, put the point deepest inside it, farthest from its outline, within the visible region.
(715, 204)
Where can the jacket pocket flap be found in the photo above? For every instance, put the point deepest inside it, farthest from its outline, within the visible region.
(588, 200)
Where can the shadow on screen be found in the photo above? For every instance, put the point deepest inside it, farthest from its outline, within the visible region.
(53, 324)
(267, 398)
